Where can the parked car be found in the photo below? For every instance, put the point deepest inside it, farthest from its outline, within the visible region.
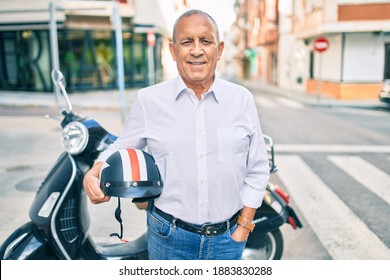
(384, 94)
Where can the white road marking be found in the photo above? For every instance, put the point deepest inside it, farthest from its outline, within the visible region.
(340, 231)
(332, 148)
(290, 103)
(366, 174)
(265, 102)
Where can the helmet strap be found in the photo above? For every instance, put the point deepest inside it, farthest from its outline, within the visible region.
(118, 217)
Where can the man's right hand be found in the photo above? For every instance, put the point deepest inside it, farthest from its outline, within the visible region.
(92, 185)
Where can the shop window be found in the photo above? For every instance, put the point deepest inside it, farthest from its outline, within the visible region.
(25, 60)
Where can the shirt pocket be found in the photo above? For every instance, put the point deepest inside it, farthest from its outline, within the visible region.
(233, 145)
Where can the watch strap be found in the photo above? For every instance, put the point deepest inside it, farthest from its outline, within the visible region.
(245, 223)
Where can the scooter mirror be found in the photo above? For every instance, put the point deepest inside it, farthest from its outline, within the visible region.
(58, 78)
(59, 81)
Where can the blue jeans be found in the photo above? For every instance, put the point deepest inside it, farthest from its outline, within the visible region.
(168, 242)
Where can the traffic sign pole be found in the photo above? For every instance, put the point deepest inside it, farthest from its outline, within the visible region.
(319, 78)
(151, 39)
(320, 45)
(119, 59)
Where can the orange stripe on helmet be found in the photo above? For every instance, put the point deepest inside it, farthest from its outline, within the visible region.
(134, 165)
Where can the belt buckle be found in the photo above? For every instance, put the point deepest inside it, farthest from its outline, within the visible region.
(210, 230)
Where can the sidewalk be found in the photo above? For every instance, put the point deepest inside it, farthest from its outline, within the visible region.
(312, 99)
(111, 99)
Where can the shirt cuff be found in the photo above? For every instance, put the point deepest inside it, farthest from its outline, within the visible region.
(251, 197)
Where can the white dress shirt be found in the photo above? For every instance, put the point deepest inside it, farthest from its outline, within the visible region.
(210, 152)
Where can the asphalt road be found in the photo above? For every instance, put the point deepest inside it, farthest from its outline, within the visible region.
(334, 162)
(312, 144)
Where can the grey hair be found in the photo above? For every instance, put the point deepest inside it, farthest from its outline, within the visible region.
(194, 12)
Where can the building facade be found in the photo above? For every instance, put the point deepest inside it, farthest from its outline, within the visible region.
(357, 59)
(86, 39)
(353, 66)
(256, 38)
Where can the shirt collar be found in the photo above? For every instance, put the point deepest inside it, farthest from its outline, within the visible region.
(215, 88)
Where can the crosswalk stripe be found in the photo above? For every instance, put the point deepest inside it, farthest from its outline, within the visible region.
(289, 103)
(265, 102)
(366, 174)
(341, 232)
(336, 148)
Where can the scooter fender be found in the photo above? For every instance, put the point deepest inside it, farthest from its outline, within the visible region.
(50, 192)
(25, 244)
(59, 209)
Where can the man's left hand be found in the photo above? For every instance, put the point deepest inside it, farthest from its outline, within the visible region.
(240, 234)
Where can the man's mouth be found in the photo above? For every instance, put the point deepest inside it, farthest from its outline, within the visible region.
(196, 63)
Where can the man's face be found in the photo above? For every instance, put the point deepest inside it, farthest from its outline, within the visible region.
(196, 51)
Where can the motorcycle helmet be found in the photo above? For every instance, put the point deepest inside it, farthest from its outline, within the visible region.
(131, 173)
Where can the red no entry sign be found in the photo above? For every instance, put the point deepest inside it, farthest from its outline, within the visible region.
(321, 44)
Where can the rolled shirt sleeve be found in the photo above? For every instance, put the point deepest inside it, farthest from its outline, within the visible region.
(258, 173)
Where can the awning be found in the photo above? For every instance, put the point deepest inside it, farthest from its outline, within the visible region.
(24, 14)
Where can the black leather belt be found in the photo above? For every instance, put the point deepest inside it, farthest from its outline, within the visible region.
(206, 229)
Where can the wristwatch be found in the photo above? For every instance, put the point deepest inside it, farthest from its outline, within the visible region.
(245, 223)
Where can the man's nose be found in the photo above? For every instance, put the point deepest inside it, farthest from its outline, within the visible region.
(197, 49)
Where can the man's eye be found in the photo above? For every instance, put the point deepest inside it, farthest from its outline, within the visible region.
(206, 42)
(185, 43)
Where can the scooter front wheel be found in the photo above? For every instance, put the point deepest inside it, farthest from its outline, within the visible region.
(267, 247)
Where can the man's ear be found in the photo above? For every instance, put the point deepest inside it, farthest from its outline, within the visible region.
(221, 46)
(172, 50)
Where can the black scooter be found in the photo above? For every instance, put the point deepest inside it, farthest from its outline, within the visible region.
(59, 214)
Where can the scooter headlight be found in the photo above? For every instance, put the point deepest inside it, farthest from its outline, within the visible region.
(74, 138)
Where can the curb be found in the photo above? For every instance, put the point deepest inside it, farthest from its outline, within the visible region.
(313, 100)
(88, 100)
